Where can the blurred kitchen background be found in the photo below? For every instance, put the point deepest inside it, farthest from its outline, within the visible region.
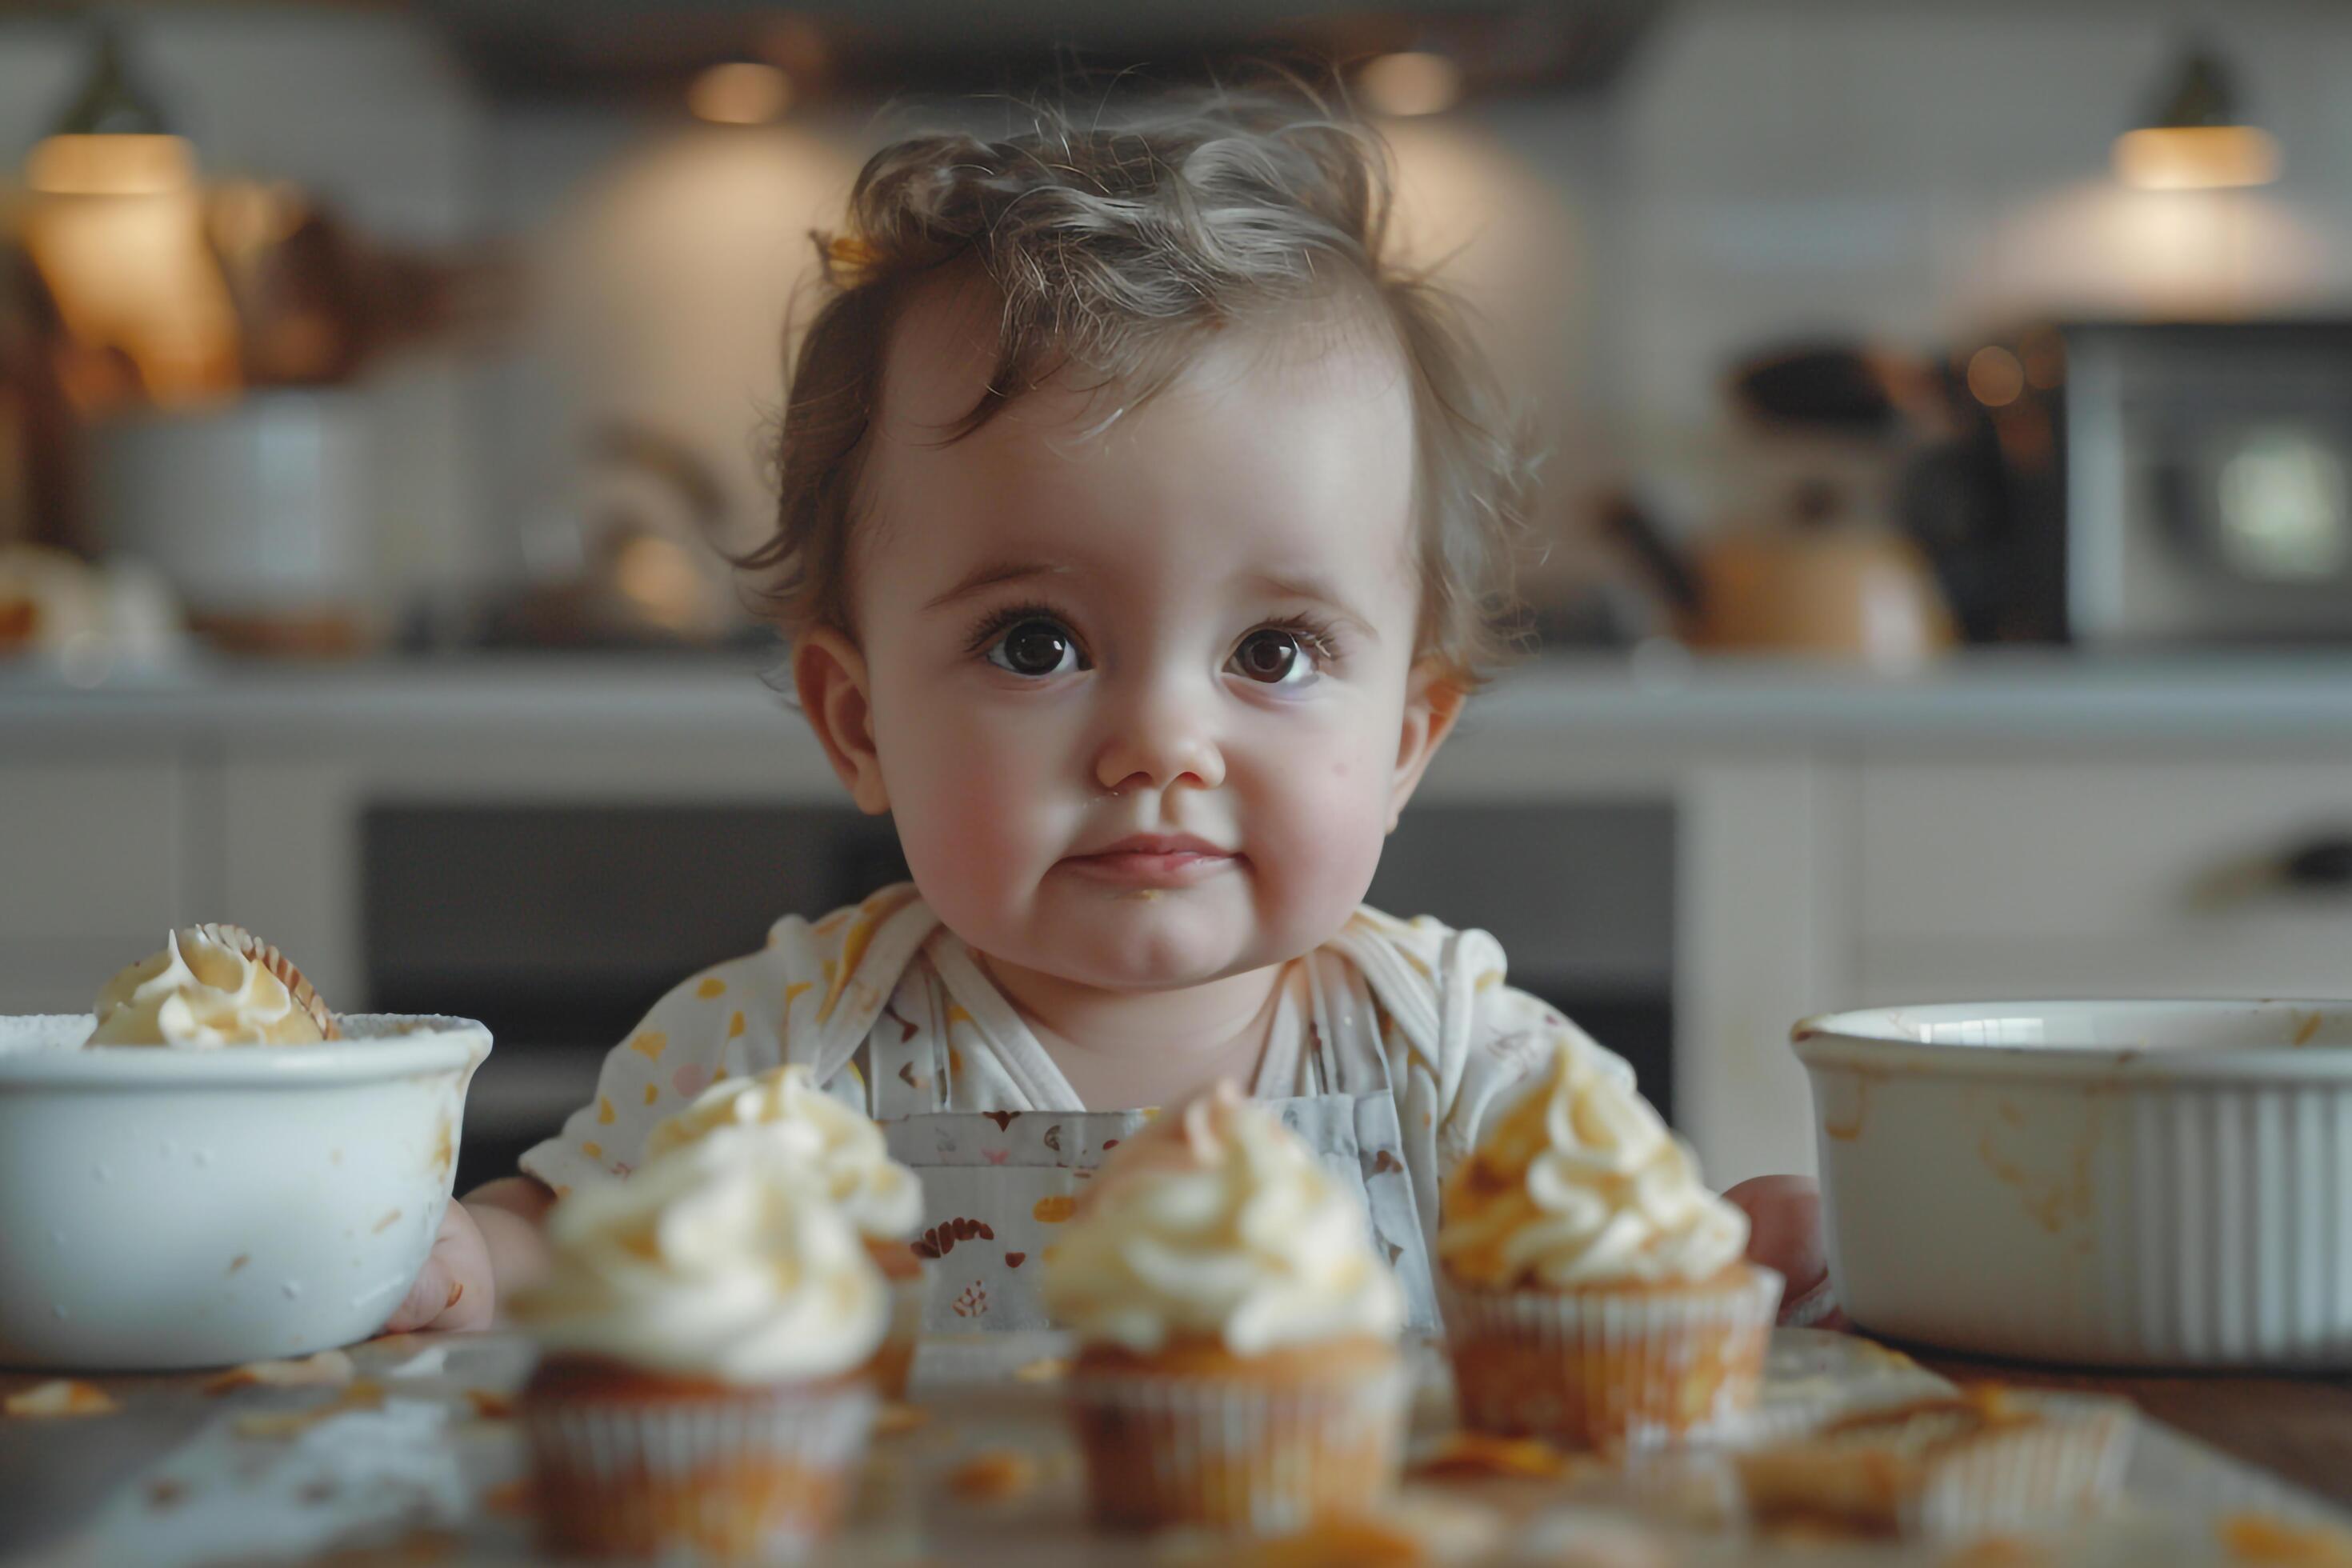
(1945, 578)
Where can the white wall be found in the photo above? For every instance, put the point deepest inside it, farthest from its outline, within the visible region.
(660, 259)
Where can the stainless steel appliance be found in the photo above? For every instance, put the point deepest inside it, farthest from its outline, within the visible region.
(2207, 482)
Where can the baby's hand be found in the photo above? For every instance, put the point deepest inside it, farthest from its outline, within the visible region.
(455, 1289)
(1784, 1215)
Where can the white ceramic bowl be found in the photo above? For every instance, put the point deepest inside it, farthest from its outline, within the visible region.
(2123, 1184)
(176, 1208)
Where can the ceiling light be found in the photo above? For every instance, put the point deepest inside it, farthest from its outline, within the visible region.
(2196, 140)
(739, 94)
(1410, 84)
(2196, 157)
(110, 141)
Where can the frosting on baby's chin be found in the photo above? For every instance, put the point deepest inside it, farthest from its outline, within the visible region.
(1218, 1222)
(710, 1261)
(785, 1107)
(1582, 1183)
(198, 994)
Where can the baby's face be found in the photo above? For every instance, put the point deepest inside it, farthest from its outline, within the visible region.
(1143, 699)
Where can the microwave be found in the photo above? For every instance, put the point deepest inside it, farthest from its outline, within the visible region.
(2205, 482)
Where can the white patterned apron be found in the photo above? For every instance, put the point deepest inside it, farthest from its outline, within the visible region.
(999, 1185)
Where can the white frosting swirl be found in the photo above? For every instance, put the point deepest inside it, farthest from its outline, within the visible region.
(1218, 1222)
(1582, 1183)
(716, 1260)
(784, 1106)
(198, 994)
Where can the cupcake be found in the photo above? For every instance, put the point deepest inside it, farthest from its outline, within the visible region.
(1237, 1363)
(1594, 1291)
(703, 1396)
(882, 1199)
(212, 985)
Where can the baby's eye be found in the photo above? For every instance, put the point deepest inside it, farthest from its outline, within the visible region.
(1274, 657)
(1036, 648)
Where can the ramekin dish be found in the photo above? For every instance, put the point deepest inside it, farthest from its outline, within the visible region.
(2115, 1184)
(176, 1208)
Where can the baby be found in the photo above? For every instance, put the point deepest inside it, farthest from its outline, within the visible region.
(1142, 532)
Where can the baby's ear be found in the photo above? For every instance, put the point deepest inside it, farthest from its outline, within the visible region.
(1434, 695)
(829, 673)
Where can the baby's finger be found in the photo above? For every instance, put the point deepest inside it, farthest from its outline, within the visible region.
(426, 1300)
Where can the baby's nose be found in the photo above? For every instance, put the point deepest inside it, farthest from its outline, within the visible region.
(1159, 740)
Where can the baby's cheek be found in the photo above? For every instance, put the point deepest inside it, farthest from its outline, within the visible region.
(1333, 820)
(964, 817)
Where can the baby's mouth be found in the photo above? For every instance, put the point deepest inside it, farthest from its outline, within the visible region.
(1154, 860)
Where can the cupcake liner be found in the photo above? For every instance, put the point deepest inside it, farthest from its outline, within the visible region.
(1232, 1453)
(894, 1361)
(1606, 1369)
(241, 940)
(2067, 1463)
(754, 1476)
(1937, 1470)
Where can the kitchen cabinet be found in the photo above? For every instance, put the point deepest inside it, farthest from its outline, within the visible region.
(1747, 844)
(2115, 875)
(97, 847)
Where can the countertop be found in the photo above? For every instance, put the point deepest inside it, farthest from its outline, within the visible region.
(1655, 695)
(417, 1458)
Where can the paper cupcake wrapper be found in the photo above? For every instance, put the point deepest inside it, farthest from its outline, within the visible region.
(756, 1477)
(255, 951)
(1604, 1369)
(894, 1363)
(1228, 1453)
(2069, 1462)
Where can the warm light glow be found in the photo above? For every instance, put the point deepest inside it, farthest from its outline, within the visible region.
(1996, 379)
(654, 573)
(2196, 157)
(110, 166)
(2100, 248)
(136, 284)
(740, 93)
(2044, 353)
(1411, 84)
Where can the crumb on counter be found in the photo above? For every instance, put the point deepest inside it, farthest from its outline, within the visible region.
(63, 1396)
(327, 1369)
(1366, 1543)
(2266, 1538)
(994, 1475)
(361, 1394)
(896, 1419)
(2000, 1551)
(489, 1405)
(1472, 1455)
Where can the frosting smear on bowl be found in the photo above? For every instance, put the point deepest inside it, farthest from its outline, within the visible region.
(211, 985)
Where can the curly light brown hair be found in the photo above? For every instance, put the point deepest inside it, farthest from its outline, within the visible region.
(1114, 246)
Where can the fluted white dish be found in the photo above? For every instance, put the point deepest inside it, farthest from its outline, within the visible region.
(178, 1209)
(2119, 1184)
